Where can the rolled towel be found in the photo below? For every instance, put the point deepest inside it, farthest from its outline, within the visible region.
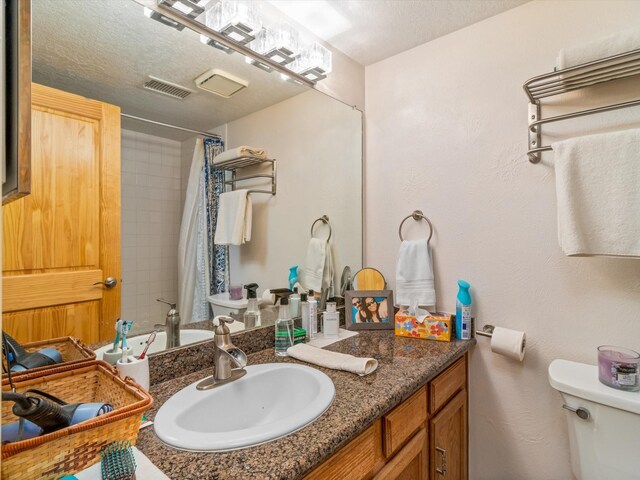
(620, 42)
(333, 360)
(241, 151)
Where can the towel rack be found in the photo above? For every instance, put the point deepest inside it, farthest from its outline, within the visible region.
(570, 79)
(417, 215)
(236, 164)
(324, 219)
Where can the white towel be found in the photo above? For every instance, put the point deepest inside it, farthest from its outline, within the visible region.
(314, 264)
(234, 218)
(241, 151)
(414, 274)
(615, 44)
(333, 360)
(598, 190)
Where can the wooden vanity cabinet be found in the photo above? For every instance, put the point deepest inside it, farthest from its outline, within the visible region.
(423, 438)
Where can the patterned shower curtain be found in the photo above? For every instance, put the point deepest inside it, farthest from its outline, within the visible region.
(218, 255)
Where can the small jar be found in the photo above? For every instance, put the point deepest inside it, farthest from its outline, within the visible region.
(235, 292)
(618, 367)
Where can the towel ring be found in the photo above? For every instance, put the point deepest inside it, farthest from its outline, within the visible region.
(417, 215)
(324, 219)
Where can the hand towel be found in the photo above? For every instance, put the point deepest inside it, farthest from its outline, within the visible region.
(315, 264)
(414, 274)
(234, 218)
(242, 151)
(333, 360)
(327, 272)
(620, 42)
(598, 191)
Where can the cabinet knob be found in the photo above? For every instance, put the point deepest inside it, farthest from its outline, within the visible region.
(443, 462)
(108, 283)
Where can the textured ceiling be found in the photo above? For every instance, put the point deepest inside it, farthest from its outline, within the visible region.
(104, 49)
(371, 30)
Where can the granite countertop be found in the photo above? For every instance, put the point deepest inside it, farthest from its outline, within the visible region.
(404, 365)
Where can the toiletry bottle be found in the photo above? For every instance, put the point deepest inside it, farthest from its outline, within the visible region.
(294, 303)
(293, 276)
(304, 314)
(463, 311)
(284, 328)
(331, 321)
(313, 315)
(252, 314)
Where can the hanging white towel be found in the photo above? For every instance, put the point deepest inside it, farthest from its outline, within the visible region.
(241, 151)
(620, 42)
(337, 361)
(598, 190)
(234, 218)
(327, 272)
(315, 264)
(414, 274)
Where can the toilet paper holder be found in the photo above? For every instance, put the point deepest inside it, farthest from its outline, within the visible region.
(487, 331)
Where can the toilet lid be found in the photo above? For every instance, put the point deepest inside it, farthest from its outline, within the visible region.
(581, 380)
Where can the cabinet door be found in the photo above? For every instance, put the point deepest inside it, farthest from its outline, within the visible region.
(411, 463)
(448, 440)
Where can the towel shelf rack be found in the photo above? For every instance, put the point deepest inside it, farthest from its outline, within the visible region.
(235, 164)
(570, 79)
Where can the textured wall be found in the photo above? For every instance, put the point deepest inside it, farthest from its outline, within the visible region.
(446, 133)
(151, 213)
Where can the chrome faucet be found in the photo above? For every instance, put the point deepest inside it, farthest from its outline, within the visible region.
(228, 360)
(171, 325)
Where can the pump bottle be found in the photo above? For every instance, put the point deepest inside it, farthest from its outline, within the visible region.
(284, 328)
(252, 314)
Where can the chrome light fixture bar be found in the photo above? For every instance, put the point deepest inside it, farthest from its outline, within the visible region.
(185, 21)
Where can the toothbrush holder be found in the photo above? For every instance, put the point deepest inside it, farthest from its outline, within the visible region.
(135, 368)
(112, 357)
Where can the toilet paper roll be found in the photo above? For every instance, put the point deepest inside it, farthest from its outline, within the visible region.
(507, 342)
(136, 369)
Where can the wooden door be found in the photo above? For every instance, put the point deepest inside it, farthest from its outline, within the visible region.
(448, 440)
(65, 236)
(410, 463)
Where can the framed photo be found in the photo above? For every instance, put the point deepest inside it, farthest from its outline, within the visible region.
(369, 310)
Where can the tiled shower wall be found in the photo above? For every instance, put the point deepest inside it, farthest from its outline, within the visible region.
(151, 215)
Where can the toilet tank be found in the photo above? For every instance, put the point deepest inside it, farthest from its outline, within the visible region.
(606, 446)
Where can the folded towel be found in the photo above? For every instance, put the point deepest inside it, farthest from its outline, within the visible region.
(315, 264)
(414, 274)
(598, 190)
(242, 151)
(333, 360)
(615, 44)
(234, 218)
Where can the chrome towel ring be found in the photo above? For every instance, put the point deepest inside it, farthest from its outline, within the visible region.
(417, 215)
(324, 219)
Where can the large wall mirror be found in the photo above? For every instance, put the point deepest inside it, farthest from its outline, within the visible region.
(111, 52)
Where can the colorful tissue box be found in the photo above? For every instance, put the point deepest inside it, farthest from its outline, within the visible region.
(436, 327)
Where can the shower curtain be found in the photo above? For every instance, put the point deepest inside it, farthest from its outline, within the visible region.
(203, 268)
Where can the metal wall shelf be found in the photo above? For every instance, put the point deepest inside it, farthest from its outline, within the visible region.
(568, 80)
(236, 164)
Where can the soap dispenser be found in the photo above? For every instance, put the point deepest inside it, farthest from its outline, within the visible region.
(252, 314)
(284, 327)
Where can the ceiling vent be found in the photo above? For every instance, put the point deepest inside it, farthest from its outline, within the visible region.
(221, 83)
(167, 88)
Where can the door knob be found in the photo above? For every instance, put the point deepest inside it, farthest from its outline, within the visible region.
(109, 282)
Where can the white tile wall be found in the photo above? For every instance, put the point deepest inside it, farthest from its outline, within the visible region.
(151, 215)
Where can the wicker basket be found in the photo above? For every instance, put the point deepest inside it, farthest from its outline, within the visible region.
(74, 448)
(73, 351)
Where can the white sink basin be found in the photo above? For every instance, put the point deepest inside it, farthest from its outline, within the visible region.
(138, 342)
(269, 402)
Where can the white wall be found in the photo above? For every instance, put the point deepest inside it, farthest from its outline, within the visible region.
(151, 213)
(447, 133)
(317, 142)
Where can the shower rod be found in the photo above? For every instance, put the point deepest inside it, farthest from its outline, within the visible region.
(175, 127)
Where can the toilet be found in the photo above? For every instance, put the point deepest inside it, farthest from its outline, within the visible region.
(604, 423)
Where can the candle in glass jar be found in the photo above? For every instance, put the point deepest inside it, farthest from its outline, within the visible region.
(235, 292)
(618, 367)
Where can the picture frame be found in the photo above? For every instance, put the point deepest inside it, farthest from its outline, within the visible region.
(369, 310)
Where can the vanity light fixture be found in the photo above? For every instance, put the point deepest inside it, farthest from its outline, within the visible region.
(280, 43)
(190, 8)
(162, 19)
(313, 63)
(238, 20)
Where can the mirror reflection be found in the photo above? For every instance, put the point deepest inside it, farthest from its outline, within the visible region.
(306, 164)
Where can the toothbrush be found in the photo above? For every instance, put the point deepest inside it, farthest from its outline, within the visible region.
(150, 340)
(125, 327)
(117, 339)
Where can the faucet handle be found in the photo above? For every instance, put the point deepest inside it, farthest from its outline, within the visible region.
(219, 320)
(162, 300)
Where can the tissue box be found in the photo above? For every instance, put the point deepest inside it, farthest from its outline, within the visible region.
(437, 327)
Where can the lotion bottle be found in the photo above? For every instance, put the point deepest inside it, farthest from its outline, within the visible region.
(304, 315)
(313, 315)
(331, 321)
